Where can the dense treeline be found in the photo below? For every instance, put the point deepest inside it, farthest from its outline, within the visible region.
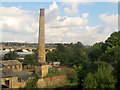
(93, 67)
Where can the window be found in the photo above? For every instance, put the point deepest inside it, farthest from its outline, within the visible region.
(7, 82)
(19, 66)
(15, 67)
(19, 80)
(11, 67)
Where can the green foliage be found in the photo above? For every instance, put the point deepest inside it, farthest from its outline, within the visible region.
(32, 83)
(112, 41)
(55, 72)
(35, 55)
(113, 56)
(28, 59)
(95, 51)
(73, 77)
(69, 55)
(51, 56)
(12, 55)
(103, 78)
(94, 65)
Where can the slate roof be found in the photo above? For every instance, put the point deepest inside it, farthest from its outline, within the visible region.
(9, 73)
(22, 74)
(10, 62)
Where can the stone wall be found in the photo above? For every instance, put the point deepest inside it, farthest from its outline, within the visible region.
(13, 82)
(55, 81)
(17, 69)
(41, 70)
(44, 70)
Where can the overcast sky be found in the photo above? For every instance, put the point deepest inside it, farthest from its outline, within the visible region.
(64, 21)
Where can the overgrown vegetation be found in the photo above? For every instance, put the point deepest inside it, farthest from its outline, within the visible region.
(96, 66)
(32, 83)
(55, 72)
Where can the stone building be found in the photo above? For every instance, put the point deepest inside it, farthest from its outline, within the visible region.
(12, 74)
(15, 65)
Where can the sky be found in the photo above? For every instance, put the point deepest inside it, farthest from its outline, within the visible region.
(65, 22)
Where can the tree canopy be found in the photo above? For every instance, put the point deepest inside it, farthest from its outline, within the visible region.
(12, 55)
(97, 66)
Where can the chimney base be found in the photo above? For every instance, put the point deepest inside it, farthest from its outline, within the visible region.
(41, 70)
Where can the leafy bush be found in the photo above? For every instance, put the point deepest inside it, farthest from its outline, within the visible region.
(73, 77)
(32, 83)
(103, 78)
(55, 72)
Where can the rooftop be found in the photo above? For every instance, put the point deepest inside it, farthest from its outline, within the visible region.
(10, 62)
(9, 73)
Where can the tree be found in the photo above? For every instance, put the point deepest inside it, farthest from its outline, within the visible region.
(69, 55)
(32, 83)
(35, 55)
(95, 51)
(113, 56)
(28, 59)
(102, 78)
(112, 41)
(111, 49)
(51, 56)
(78, 45)
(117, 75)
(12, 55)
(73, 76)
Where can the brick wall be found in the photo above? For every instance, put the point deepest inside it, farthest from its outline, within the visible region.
(55, 81)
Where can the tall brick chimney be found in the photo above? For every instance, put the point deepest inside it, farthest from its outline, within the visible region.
(41, 68)
(41, 43)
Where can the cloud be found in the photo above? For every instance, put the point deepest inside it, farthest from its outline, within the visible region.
(66, 21)
(85, 15)
(86, 34)
(109, 20)
(13, 19)
(21, 25)
(73, 10)
(72, 7)
(73, 29)
(58, 29)
(17, 24)
(52, 12)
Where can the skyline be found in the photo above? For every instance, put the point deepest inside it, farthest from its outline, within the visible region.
(85, 22)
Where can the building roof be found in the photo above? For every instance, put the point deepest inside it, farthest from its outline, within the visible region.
(7, 72)
(22, 74)
(10, 62)
(54, 63)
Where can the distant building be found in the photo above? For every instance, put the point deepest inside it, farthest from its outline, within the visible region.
(53, 64)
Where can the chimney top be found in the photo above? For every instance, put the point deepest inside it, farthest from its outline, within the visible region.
(42, 12)
(42, 9)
